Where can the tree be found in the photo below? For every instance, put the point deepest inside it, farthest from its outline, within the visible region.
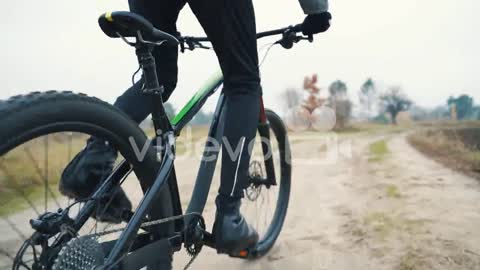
(476, 113)
(463, 106)
(367, 96)
(340, 103)
(312, 102)
(291, 98)
(380, 119)
(343, 111)
(394, 101)
(338, 89)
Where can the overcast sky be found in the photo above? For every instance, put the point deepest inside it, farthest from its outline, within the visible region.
(429, 47)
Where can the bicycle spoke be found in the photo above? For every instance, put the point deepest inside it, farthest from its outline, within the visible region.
(39, 172)
(17, 190)
(46, 173)
(69, 154)
(14, 228)
(265, 215)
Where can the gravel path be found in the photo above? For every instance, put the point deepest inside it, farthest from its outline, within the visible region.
(349, 211)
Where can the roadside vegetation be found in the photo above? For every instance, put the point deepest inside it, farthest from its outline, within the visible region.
(457, 146)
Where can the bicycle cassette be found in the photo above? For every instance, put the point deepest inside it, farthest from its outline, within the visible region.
(83, 253)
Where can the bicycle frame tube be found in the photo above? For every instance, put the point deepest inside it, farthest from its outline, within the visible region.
(128, 235)
(196, 102)
(209, 161)
(205, 175)
(213, 145)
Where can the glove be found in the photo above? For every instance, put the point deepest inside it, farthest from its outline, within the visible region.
(316, 23)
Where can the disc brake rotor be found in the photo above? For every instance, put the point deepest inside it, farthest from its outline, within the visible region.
(254, 172)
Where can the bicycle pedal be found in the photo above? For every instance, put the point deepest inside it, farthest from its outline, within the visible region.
(243, 254)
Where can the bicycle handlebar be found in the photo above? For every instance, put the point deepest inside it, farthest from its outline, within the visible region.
(288, 33)
(294, 29)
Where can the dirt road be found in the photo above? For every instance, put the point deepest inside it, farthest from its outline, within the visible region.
(401, 212)
(350, 210)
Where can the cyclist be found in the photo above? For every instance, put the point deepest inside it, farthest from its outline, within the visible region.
(230, 25)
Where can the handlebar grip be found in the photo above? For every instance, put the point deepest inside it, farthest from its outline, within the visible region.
(298, 28)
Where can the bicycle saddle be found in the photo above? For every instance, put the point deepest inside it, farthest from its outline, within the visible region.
(129, 24)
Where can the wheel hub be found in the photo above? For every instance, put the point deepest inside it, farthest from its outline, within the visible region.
(254, 189)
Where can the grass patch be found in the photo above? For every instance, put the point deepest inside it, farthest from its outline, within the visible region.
(383, 225)
(410, 261)
(378, 151)
(392, 191)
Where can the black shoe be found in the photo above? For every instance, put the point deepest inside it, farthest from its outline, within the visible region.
(86, 171)
(232, 233)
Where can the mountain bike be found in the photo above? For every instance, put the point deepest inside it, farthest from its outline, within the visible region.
(34, 127)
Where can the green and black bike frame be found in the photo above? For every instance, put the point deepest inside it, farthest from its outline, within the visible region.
(141, 248)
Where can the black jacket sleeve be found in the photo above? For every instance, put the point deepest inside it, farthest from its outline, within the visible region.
(314, 6)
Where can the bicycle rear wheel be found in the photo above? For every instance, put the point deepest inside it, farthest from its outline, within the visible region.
(265, 206)
(39, 133)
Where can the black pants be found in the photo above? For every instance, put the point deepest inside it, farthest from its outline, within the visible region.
(230, 25)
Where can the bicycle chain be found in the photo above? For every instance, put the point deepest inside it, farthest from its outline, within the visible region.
(149, 224)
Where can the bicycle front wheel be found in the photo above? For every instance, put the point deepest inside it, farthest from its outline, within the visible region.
(39, 134)
(266, 201)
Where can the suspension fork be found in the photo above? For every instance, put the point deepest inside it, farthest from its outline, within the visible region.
(264, 131)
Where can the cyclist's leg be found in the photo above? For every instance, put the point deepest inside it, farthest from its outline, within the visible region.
(163, 14)
(77, 180)
(230, 25)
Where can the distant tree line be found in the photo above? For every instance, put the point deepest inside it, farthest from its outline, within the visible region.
(464, 107)
(374, 105)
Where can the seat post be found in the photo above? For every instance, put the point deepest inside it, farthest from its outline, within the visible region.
(152, 87)
(147, 63)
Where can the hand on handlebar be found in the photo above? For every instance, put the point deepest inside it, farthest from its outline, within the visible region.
(316, 23)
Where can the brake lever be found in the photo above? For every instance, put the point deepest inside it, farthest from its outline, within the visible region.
(290, 38)
(188, 44)
(287, 40)
(309, 38)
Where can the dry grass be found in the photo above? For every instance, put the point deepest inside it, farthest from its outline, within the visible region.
(22, 170)
(23, 174)
(454, 146)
